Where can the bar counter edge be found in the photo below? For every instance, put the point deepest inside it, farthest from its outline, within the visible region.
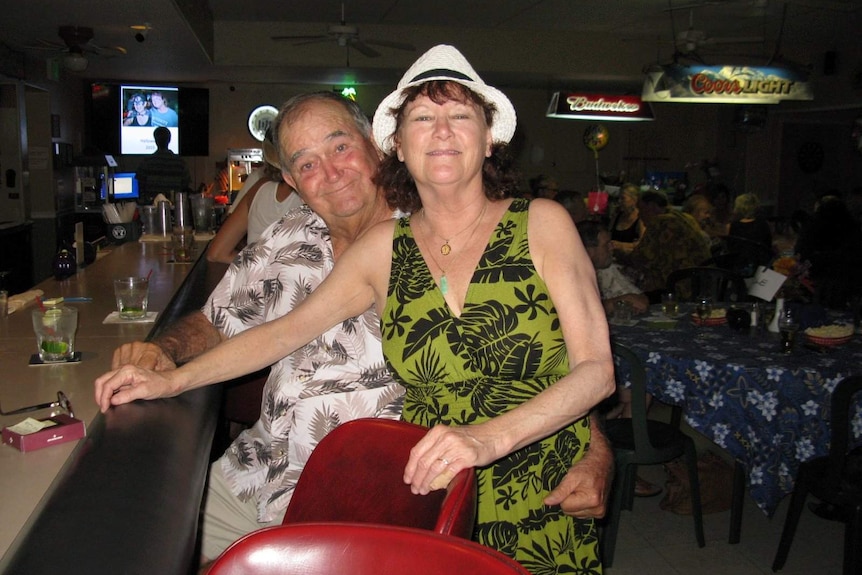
(129, 498)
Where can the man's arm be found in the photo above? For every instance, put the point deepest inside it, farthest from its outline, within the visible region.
(583, 492)
(186, 338)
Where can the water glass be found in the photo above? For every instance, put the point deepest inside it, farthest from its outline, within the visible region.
(132, 294)
(622, 311)
(669, 304)
(183, 244)
(203, 213)
(55, 329)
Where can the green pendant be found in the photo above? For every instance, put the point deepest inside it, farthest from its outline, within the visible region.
(444, 285)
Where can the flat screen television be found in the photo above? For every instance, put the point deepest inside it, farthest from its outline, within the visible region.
(125, 186)
(122, 118)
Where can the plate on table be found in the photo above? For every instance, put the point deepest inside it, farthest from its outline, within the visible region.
(829, 335)
(828, 341)
(716, 317)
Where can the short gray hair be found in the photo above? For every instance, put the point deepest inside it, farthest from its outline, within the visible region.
(290, 109)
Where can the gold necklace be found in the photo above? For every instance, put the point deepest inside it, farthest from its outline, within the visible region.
(444, 282)
(446, 249)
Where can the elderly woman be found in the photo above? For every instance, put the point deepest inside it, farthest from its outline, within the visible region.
(489, 310)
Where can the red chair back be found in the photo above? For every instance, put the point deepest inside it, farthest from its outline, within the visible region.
(355, 474)
(358, 549)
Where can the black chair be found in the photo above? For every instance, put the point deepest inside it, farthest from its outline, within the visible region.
(640, 441)
(833, 481)
(720, 284)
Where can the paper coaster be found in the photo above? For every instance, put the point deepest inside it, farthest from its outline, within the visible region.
(114, 317)
(36, 360)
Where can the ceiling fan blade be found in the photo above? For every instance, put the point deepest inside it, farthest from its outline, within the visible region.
(734, 40)
(300, 37)
(395, 45)
(363, 48)
(314, 41)
(105, 51)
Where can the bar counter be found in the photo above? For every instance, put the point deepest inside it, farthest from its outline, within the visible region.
(125, 499)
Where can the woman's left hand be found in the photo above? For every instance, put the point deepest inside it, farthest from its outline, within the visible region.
(442, 454)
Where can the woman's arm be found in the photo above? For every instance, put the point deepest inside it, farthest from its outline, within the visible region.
(563, 264)
(225, 245)
(358, 280)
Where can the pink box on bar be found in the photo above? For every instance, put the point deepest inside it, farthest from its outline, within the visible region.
(67, 429)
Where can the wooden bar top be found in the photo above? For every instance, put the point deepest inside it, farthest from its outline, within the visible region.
(74, 497)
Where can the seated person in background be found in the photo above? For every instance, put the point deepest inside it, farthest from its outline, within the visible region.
(544, 187)
(627, 228)
(162, 172)
(750, 237)
(264, 204)
(321, 385)
(673, 240)
(719, 197)
(575, 204)
(699, 207)
(613, 284)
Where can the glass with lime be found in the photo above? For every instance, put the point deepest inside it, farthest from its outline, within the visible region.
(132, 294)
(55, 329)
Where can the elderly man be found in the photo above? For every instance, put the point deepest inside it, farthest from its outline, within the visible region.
(614, 286)
(327, 155)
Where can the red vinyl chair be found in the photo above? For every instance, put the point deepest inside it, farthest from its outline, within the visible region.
(355, 474)
(358, 549)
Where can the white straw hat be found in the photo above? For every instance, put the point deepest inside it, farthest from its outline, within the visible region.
(443, 62)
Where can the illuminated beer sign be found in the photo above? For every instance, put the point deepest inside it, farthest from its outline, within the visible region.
(583, 106)
(724, 85)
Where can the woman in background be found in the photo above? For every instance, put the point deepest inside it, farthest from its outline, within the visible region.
(750, 237)
(264, 204)
(627, 228)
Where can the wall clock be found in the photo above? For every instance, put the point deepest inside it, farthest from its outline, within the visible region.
(260, 120)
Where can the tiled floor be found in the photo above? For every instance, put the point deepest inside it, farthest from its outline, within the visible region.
(652, 541)
(656, 542)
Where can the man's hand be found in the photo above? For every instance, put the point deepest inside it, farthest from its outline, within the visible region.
(584, 490)
(142, 354)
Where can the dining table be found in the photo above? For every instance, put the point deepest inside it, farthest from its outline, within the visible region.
(768, 409)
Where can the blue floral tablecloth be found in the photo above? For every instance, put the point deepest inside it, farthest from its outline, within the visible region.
(769, 410)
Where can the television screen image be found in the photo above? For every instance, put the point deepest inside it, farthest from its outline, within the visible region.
(121, 118)
(143, 109)
(125, 187)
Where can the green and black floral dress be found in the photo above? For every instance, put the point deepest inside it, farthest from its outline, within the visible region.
(505, 348)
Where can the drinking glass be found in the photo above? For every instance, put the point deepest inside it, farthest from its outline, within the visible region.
(703, 310)
(622, 312)
(669, 304)
(183, 244)
(55, 329)
(132, 294)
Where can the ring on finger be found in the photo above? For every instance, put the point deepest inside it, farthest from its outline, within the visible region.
(444, 460)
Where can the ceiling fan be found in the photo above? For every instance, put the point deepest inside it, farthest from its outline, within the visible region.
(347, 36)
(77, 44)
(693, 39)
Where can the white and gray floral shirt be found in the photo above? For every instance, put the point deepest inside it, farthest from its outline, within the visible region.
(338, 377)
